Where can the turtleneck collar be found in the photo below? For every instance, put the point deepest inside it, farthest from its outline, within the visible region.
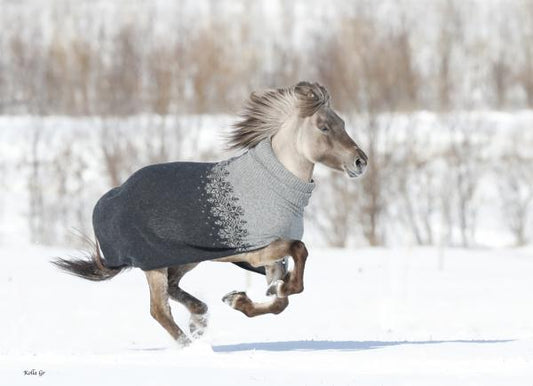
(297, 190)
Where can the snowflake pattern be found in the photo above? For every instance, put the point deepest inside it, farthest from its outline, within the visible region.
(225, 213)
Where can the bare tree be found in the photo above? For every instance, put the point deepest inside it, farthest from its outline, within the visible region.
(413, 178)
(525, 70)
(35, 185)
(334, 209)
(515, 182)
(373, 201)
(464, 175)
(67, 204)
(500, 66)
(119, 152)
(450, 36)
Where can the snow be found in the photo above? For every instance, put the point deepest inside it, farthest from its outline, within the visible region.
(402, 316)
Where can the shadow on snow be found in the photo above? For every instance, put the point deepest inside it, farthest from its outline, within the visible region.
(346, 345)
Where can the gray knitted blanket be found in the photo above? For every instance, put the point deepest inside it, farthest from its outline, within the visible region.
(186, 212)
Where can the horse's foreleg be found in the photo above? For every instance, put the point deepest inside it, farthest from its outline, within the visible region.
(282, 283)
(292, 282)
(241, 302)
(196, 307)
(159, 307)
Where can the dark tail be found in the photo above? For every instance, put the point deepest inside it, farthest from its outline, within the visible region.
(90, 268)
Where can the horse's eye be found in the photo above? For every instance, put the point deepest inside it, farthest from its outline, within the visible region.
(324, 129)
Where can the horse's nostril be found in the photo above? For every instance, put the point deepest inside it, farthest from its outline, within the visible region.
(360, 163)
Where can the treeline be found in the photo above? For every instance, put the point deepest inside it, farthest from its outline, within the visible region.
(143, 78)
(456, 179)
(123, 58)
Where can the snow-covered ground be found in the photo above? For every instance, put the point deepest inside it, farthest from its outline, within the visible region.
(367, 316)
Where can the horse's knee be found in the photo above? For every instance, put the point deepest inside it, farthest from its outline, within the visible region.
(299, 249)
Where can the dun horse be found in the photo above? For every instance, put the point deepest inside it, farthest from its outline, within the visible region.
(248, 210)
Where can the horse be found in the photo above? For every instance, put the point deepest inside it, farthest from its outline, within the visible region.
(167, 218)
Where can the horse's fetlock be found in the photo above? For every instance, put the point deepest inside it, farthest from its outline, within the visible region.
(248, 312)
(281, 304)
(201, 309)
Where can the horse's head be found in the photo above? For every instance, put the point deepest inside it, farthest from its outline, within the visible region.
(304, 127)
(322, 136)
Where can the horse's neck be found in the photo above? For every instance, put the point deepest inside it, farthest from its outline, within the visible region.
(287, 152)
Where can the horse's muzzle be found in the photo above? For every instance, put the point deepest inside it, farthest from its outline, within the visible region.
(359, 165)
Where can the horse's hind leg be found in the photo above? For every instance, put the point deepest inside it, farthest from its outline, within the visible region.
(196, 307)
(159, 307)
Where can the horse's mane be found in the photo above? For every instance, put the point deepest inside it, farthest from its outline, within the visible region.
(264, 112)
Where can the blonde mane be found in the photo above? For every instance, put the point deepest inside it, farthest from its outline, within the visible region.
(264, 112)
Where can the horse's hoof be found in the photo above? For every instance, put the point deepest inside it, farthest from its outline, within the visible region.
(183, 341)
(275, 288)
(197, 325)
(196, 332)
(231, 297)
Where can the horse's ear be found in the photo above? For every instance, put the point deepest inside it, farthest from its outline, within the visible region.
(305, 90)
(310, 97)
(312, 91)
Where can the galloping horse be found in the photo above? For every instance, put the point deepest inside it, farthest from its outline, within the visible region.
(248, 210)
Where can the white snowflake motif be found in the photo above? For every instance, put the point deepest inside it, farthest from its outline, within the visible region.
(225, 216)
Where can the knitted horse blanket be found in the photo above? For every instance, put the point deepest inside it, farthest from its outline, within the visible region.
(187, 212)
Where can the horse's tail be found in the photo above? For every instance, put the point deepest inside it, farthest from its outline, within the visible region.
(90, 268)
